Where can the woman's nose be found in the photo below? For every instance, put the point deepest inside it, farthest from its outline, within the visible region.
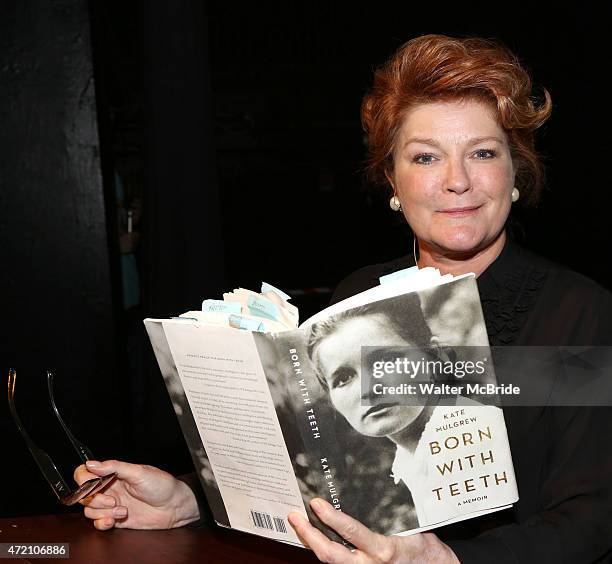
(457, 177)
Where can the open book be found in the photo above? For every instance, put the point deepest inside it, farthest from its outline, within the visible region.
(358, 405)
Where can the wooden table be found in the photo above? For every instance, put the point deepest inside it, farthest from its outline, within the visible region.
(117, 546)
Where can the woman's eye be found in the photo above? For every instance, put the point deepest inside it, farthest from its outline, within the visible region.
(423, 159)
(342, 378)
(485, 154)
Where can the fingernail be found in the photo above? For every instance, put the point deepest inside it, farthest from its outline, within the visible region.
(316, 504)
(294, 519)
(120, 512)
(92, 464)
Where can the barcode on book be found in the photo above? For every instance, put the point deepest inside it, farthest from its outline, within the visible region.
(266, 521)
(280, 525)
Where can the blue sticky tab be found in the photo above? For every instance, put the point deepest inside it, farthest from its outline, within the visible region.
(265, 287)
(404, 273)
(239, 322)
(263, 308)
(220, 306)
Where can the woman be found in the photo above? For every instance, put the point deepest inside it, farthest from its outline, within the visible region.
(450, 124)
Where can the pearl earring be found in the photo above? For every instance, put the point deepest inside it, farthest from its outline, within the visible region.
(515, 194)
(395, 204)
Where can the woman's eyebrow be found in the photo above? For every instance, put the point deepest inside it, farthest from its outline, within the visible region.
(421, 140)
(435, 143)
(478, 140)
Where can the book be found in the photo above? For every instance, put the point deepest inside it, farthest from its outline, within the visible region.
(376, 404)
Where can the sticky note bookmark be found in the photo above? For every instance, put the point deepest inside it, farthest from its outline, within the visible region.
(220, 306)
(265, 287)
(240, 322)
(262, 307)
(404, 273)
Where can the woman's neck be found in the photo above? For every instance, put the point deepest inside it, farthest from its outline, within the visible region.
(461, 263)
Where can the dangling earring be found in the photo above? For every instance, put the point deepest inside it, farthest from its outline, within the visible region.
(395, 204)
(515, 194)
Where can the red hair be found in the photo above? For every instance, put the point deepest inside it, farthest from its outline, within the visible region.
(434, 68)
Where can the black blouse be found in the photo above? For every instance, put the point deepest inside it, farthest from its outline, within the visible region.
(562, 455)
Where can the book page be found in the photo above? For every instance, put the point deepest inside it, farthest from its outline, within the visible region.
(229, 396)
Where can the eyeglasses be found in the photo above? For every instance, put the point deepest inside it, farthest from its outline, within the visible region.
(64, 493)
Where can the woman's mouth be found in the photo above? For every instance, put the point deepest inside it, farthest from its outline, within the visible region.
(379, 409)
(460, 212)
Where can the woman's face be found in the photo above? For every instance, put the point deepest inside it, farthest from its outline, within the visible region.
(454, 175)
(338, 357)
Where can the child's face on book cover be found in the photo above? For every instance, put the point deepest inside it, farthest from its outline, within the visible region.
(338, 358)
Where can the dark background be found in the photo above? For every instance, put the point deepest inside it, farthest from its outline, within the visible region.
(237, 126)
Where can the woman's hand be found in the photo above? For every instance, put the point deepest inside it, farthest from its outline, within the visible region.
(370, 547)
(140, 497)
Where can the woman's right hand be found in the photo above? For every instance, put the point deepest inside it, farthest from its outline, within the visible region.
(140, 497)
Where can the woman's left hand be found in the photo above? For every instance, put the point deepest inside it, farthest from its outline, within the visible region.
(370, 546)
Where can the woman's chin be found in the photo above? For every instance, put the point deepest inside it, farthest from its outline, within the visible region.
(461, 242)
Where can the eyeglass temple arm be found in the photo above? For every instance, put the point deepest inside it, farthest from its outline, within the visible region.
(84, 452)
(42, 459)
